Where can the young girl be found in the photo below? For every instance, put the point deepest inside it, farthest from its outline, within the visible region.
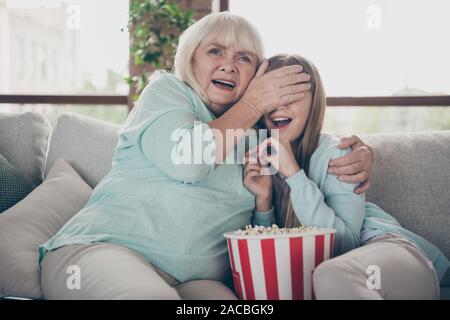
(305, 193)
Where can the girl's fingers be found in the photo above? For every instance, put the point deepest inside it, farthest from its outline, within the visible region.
(251, 167)
(269, 142)
(250, 174)
(252, 152)
(268, 170)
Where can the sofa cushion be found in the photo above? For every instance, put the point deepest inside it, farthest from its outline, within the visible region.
(32, 222)
(86, 144)
(13, 187)
(411, 182)
(24, 143)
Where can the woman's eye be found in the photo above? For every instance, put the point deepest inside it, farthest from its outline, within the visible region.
(215, 51)
(245, 58)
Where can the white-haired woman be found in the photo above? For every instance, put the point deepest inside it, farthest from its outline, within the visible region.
(153, 226)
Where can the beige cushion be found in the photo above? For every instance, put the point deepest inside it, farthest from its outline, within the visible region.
(32, 222)
(86, 144)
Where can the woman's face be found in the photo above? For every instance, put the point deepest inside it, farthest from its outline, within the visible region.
(223, 73)
(290, 120)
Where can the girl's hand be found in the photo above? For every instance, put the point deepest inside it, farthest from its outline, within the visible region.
(355, 167)
(280, 87)
(258, 183)
(281, 158)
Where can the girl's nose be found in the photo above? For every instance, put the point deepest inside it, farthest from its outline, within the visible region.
(281, 108)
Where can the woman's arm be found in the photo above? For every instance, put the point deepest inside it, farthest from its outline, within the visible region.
(180, 145)
(165, 128)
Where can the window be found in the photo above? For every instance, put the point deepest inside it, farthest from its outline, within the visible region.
(365, 48)
(64, 47)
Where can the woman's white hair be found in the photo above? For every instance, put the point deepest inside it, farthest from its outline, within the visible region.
(223, 27)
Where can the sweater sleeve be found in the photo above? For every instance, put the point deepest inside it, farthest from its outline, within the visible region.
(170, 134)
(265, 219)
(338, 207)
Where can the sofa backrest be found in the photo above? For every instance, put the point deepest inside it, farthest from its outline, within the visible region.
(23, 142)
(87, 144)
(411, 182)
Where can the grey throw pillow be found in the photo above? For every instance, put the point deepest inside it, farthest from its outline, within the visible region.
(13, 187)
(32, 222)
(23, 141)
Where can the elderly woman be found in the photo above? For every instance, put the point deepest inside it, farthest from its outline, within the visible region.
(153, 226)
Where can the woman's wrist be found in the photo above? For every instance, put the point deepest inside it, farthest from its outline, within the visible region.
(250, 104)
(263, 204)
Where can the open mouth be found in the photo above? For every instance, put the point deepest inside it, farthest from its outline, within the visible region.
(224, 84)
(280, 123)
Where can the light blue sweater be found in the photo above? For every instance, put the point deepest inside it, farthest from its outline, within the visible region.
(173, 215)
(322, 200)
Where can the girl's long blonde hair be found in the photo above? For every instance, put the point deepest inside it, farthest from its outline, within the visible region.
(309, 139)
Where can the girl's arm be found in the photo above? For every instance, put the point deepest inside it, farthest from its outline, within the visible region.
(340, 208)
(337, 207)
(260, 184)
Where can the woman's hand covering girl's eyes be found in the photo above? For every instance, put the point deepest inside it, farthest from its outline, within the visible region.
(276, 88)
(355, 167)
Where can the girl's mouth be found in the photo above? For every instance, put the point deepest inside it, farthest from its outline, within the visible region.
(224, 84)
(281, 123)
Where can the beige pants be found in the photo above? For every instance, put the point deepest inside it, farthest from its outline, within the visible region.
(108, 271)
(402, 270)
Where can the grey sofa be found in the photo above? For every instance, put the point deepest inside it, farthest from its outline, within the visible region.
(411, 177)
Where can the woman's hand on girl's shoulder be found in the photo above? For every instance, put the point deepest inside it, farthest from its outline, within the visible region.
(355, 167)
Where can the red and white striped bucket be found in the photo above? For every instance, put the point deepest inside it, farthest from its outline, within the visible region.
(277, 267)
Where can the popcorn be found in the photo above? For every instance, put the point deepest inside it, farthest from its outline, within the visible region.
(273, 230)
(270, 263)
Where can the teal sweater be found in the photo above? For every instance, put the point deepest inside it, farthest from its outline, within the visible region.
(322, 200)
(173, 215)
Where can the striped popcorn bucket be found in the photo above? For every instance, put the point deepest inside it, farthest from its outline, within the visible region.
(277, 267)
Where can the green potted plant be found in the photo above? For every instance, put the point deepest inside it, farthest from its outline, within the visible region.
(155, 26)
